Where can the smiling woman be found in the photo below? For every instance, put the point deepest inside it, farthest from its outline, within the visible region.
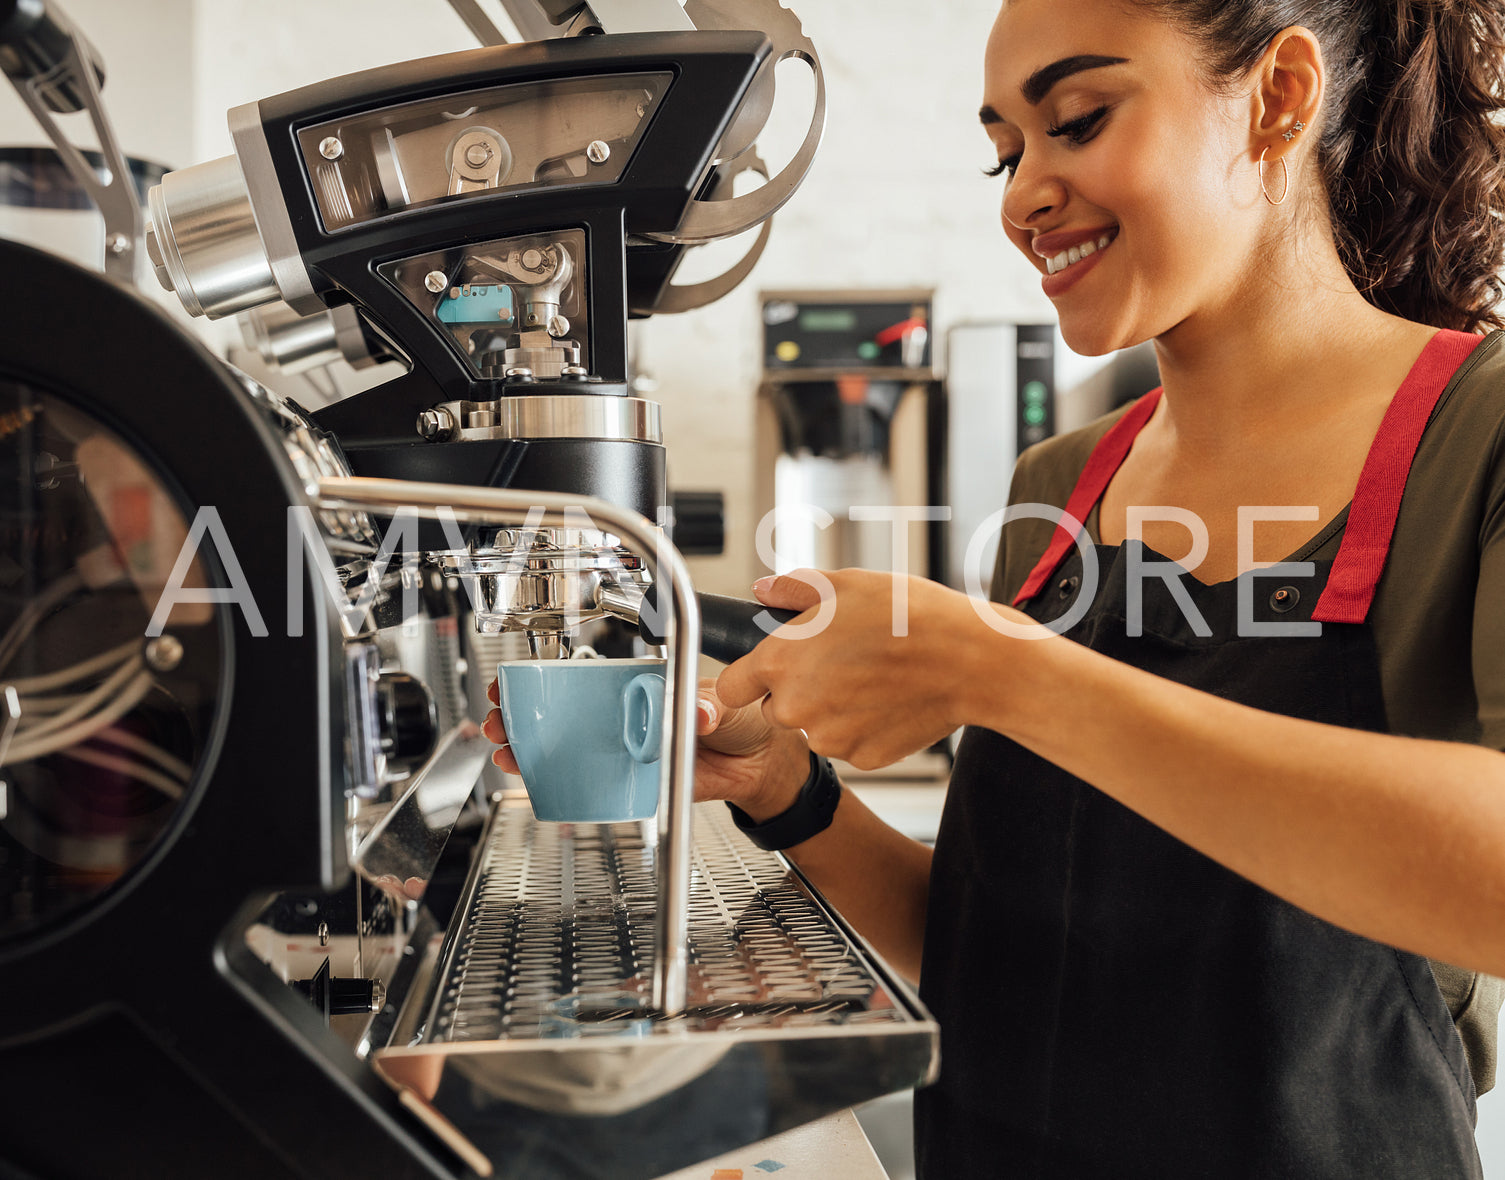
(1219, 890)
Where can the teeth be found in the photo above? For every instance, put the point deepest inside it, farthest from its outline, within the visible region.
(1074, 255)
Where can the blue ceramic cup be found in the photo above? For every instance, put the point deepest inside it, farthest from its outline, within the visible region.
(587, 735)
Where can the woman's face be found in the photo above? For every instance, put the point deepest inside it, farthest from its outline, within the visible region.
(1117, 153)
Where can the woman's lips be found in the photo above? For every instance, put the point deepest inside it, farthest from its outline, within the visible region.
(1074, 255)
(1070, 263)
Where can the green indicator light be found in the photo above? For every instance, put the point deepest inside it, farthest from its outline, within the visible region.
(1034, 415)
(867, 350)
(1035, 392)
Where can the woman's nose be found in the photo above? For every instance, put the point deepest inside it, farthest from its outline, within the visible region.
(1032, 193)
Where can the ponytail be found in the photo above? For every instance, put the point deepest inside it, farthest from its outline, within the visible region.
(1411, 154)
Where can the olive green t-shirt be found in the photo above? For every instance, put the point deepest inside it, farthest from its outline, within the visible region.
(1438, 616)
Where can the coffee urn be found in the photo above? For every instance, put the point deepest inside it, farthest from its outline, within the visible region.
(850, 432)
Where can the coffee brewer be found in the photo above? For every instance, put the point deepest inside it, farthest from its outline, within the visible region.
(252, 919)
(851, 424)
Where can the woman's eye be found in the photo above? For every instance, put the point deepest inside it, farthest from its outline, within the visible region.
(1004, 167)
(1081, 129)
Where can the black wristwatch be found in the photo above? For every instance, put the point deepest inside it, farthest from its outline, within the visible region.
(810, 814)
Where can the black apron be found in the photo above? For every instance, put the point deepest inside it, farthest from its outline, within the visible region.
(1115, 1004)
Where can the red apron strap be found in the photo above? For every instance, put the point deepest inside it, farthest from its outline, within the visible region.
(1376, 501)
(1105, 460)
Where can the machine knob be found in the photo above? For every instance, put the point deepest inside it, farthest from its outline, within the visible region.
(407, 721)
(340, 997)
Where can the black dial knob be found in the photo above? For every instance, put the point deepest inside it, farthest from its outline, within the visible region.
(408, 722)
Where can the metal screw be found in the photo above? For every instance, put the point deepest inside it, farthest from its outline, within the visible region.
(434, 423)
(164, 653)
(559, 326)
(519, 374)
(532, 259)
(323, 933)
(578, 372)
(598, 152)
(435, 281)
(119, 244)
(331, 148)
(477, 154)
(44, 470)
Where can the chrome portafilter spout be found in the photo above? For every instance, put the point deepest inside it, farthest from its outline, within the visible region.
(550, 645)
(545, 582)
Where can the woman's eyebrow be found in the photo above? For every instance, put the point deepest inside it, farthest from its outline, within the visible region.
(1039, 84)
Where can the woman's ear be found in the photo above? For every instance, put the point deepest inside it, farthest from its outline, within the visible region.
(1287, 96)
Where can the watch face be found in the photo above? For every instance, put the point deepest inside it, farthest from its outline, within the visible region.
(103, 716)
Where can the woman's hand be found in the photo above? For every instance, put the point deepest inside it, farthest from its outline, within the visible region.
(868, 688)
(493, 728)
(739, 755)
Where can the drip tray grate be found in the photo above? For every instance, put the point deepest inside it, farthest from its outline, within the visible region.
(555, 938)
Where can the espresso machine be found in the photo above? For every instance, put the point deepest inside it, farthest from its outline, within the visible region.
(256, 919)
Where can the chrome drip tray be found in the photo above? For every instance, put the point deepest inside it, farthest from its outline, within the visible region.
(558, 928)
(537, 1035)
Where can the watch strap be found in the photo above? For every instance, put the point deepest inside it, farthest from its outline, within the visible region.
(810, 814)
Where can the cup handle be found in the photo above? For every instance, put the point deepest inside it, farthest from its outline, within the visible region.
(643, 717)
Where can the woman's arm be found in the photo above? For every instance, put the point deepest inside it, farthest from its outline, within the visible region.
(876, 877)
(1397, 839)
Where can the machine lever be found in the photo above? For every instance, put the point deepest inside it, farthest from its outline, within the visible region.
(729, 627)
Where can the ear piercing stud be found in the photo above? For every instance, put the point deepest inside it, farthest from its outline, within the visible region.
(1294, 131)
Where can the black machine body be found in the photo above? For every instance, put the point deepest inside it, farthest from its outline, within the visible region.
(494, 216)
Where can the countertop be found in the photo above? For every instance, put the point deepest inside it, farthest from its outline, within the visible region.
(832, 1148)
(913, 806)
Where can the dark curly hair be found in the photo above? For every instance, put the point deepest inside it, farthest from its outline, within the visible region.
(1411, 152)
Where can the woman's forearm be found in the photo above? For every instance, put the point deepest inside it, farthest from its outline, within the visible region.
(1397, 839)
(877, 878)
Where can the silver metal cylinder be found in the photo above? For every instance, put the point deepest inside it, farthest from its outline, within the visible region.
(288, 340)
(575, 415)
(204, 243)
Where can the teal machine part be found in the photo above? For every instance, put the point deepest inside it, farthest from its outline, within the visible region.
(477, 305)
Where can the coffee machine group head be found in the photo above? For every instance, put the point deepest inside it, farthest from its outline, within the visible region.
(492, 219)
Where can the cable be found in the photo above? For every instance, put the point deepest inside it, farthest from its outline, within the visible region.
(33, 705)
(29, 746)
(34, 612)
(139, 745)
(169, 787)
(107, 688)
(50, 680)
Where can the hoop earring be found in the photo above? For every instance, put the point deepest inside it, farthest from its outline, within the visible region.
(1285, 173)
